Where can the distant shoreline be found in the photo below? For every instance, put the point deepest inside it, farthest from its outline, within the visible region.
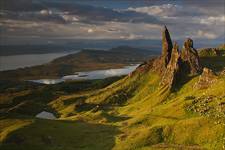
(84, 60)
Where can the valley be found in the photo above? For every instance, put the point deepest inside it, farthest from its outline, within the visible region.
(85, 60)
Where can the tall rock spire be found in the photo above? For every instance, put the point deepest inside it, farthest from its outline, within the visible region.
(174, 65)
(173, 69)
(190, 58)
(167, 46)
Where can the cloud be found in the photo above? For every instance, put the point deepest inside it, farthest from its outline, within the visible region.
(70, 20)
(205, 34)
(80, 30)
(166, 10)
(90, 30)
(212, 20)
(46, 12)
(38, 16)
(188, 20)
(71, 12)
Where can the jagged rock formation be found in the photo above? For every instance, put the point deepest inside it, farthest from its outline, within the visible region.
(173, 68)
(173, 65)
(167, 46)
(190, 58)
(160, 64)
(206, 79)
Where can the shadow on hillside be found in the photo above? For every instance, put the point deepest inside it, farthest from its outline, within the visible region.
(59, 134)
(113, 118)
(214, 63)
(164, 117)
(182, 82)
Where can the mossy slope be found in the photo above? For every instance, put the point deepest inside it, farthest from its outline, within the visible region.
(132, 113)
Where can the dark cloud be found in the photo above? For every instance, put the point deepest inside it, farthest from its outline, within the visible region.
(120, 19)
(21, 5)
(62, 12)
(209, 7)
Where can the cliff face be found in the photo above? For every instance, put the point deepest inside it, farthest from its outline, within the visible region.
(190, 58)
(171, 74)
(167, 46)
(160, 64)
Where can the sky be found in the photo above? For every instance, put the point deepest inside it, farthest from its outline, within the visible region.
(27, 21)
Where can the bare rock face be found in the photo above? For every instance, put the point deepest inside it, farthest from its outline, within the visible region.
(160, 64)
(173, 65)
(167, 46)
(171, 74)
(190, 58)
(206, 79)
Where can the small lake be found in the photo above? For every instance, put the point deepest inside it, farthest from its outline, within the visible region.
(46, 115)
(27, 60)
(90, 75)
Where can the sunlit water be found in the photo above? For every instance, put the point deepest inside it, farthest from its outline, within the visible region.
(27, 60)
(97, 74)
(45, 115)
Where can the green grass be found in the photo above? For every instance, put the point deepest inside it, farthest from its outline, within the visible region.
(131, 113)
(61, 134)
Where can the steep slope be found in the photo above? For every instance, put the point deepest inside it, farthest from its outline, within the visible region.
(151, 116)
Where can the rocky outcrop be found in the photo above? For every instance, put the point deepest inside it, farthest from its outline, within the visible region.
(209, 52)
(167, 46)
(206, 79)
(190, 58)
(171, 74)
(160, 64)
(173, 65)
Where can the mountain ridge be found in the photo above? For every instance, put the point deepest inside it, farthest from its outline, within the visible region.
(82, 61)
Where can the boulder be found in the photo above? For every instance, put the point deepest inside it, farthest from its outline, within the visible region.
(207, 78)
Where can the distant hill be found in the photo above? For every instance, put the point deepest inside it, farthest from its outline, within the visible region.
(85, 60)
(7, 50)
(208, 52)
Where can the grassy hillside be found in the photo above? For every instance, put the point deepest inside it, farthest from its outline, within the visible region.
(210, 52)
(84, 60)
(132, 113)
